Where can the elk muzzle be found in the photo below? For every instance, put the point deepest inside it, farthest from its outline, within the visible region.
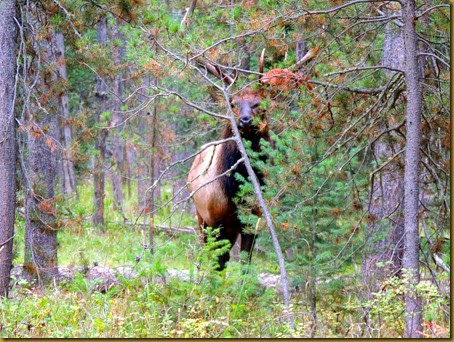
(245, 116)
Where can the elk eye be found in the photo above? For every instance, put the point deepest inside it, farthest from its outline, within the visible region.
(255, 105)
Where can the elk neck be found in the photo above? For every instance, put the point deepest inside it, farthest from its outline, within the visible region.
(230, 154)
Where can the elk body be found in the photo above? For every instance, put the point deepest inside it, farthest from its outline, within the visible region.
(214, 201)
(213, 193)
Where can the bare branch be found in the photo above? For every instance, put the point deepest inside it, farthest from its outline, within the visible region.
(370, 91)
(264, 209)
(446, 64)
(431, 9)
(341, 72)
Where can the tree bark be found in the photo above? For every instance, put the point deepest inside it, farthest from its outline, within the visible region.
(40, 258)
(300, 49)
(153, 167)
(387, 220)
(40, 174)
(69, 179)
(100, 144)
(117, 124)
(413, 315)
(7, 139)
(386, 207)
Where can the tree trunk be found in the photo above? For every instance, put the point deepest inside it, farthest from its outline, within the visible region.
(131, 160)
(40, 174)
(386, 207)
(153, 168)
(387, 221)
(142, 168)
(142, 183)
(7, 139)
(69, 179)
(117, 125)
(312, 281)
(100, 144)
(300, 49)
(413, 315)
(40, 259)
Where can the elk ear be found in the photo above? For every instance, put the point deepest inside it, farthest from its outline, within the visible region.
(262, 61)
(215, 94)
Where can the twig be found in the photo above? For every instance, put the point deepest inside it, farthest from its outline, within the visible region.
(265, 211)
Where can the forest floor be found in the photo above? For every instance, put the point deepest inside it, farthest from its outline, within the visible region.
(111, 286)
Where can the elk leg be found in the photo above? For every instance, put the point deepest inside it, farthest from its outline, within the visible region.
(226, 256)
(202, 226)
(247, 243)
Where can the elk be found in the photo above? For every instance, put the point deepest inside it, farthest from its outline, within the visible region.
(212, 175)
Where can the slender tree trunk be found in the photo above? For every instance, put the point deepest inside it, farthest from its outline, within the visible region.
(131, 159)
(7, 139)
(312, 290)
(100, 144)
(143, 160)
(266, 214)
(153, 168)
(69, 179)
(142, 182)
(118, 125)
(413, 315)
(188, 13)
(99, 179)
(300, 49)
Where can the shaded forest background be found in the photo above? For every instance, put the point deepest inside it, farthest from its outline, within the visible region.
(104, 105)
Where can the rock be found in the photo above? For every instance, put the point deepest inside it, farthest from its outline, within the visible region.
(270, 281)
(103, 278)
(126, 272)
(182, 274)
(66, 273)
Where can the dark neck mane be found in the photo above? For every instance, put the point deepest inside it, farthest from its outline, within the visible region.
(230, 154)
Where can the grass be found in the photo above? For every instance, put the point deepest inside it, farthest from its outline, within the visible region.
(226, 304)
(139, 307)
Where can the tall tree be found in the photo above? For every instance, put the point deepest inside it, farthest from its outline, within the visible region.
(69, 178)
(40, 174)
(413, 317)
(101, 135)
(117, 143)
(385, 229)
(7, 139)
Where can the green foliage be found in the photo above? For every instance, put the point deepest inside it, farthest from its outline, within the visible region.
(388, 306)
(316, 175)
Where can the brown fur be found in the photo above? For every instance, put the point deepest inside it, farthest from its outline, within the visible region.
(214, 201)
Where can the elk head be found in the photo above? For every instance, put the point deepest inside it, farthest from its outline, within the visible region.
(246, 107)
(246, 104)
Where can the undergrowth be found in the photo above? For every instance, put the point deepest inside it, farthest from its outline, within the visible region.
(212, 304)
